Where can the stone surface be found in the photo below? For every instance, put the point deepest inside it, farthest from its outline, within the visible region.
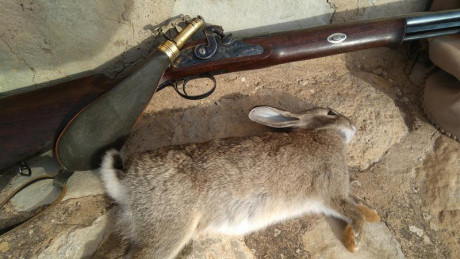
(41, 193)
(35, 196)
(84, 183)
(4, 247)
(73, 224)
(377, 242)
(321, 237)
(217, 246)
(47, 40)
(258, 16)
(372, 110)
(439, 183)
(369, 9)
(80, 243)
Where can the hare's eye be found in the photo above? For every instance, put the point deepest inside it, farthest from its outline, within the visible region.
(332, 113)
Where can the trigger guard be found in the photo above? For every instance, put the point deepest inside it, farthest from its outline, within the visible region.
(195, 97)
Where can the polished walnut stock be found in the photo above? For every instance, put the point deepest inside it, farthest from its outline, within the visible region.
(30, 122)
(304, 44)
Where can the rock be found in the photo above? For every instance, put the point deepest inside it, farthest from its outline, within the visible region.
(41, 193)
(46, 40)
(366, 99)
(4, 247)
(321, 237)
(251, 16)
(71, 227)
(438, 180)
(84, 183)
(80, 243)
(416, 230)
(377, 242)
(441, 171)
(36, 195)
(370, 9)
(9, 67)
(217, 246)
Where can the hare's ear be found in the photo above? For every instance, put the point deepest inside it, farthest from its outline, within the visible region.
(273, 117)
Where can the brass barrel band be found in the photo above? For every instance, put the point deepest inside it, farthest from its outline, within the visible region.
(170, 49)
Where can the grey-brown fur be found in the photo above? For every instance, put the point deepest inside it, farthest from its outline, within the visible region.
(170, 195)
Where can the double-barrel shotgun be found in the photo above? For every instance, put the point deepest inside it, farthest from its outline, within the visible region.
(33, 122)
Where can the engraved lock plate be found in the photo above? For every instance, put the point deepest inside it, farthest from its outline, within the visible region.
(337, 37)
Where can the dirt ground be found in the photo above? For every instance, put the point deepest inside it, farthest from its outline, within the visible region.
(399, 164)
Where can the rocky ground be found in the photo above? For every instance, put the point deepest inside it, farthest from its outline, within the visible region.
(398, 163)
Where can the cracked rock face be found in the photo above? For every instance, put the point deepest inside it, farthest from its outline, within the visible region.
(80, 243)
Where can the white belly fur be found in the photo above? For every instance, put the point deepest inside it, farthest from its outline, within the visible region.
(246, 219)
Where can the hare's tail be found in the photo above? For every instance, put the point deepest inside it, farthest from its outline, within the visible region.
(112, 171)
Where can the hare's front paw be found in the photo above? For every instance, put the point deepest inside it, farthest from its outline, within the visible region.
(351, 238)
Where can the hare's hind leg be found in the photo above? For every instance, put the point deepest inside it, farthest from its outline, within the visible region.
(370, 214)
(357, 213)
(167, 241)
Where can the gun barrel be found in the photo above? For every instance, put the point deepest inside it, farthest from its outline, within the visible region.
(431, 25)
(436, 17)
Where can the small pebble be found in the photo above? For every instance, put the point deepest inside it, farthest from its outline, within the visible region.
(4, 247)
(303, 82)
(416, 230)
(426, 216)
(277, 232)
(243, 79)
(426, 239)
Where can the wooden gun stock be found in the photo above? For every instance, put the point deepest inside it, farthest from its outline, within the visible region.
(30, 122)
(304, 44)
